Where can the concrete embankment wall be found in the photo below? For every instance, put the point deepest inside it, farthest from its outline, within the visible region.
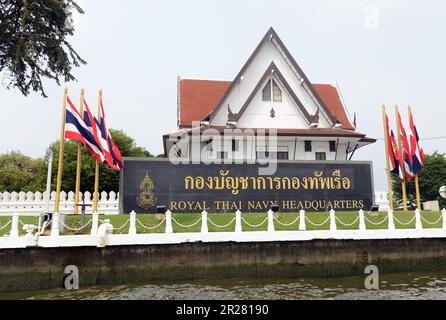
(43, 268)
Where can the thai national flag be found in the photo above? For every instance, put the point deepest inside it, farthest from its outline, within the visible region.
(407, 159)
(115, 153)
(394, 154)
(77, 129)
(416, 153)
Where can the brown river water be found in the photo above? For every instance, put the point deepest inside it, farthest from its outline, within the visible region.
(392, 286)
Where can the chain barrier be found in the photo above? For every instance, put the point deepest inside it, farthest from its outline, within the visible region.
(76, 229)
(317, 224)
(376, 223)
(121, 227)
(7, 224)
(186, 226)
(347, 224)
(404, 223)
(254, 225)
(218, 226)
(432, 223)
(150, 228)
(287, 224)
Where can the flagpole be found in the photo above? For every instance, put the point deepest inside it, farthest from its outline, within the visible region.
(96, 174)
(78, 162)
(386, 142)
(61, 142)
(417, 184)
(403, 168)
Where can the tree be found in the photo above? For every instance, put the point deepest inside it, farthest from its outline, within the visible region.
(431, 178)
(108, 178)
(33, 43)
(21, 173)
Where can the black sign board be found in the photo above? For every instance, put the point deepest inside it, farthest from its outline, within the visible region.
(312, 186)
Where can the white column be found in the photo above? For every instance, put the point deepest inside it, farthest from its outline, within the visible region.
(270, 220)
(204, 222)
(169, 228)
(15, 225)
(238, 221)
(332, 220)
(55, 224)
(391, 225)
(94, 223)
(418, 225)
(302, 225)
(443, 212)
(132, 228)
(362, 226)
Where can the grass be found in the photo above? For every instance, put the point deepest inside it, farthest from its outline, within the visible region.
(221, 219)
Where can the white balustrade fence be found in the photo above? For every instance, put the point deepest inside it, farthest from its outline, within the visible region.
(35, 202)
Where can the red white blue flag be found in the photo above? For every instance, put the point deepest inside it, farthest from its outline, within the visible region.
(114, 158)
(77, 129)
(394, 154)
(417, 152)
(407, 159)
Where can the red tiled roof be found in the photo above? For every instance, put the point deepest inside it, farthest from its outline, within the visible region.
(330, 96)
(199, 97)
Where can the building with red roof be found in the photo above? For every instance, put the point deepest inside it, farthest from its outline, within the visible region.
(270, 108)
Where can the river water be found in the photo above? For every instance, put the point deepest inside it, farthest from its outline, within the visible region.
(392, 286)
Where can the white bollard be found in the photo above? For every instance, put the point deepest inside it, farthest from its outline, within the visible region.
(94, 223)
(204, 222)
(55, 224)
(332, 220)
(302, 225)
(169, 228)
(443, 212)
(391, 223)
(362, 226)
(238, 221)
(132, 227)
(104, 229)
(15, 225)
(418, 225)
(270, 221)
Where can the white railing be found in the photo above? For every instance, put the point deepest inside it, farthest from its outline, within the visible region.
(35, 202)
(101, 231)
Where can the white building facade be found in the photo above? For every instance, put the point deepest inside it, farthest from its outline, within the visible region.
(270, 109)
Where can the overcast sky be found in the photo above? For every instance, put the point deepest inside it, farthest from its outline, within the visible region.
(135, 50)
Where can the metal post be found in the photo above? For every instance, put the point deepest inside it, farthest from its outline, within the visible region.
(302, 225)
(204, 222)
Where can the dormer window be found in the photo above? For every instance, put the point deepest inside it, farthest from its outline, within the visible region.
(271, 92)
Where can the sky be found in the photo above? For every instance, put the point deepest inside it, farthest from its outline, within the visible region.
(379, 52)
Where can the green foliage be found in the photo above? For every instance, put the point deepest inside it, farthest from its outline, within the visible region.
(108, 178)
(431, 178)
(21, 173)
(33, 43)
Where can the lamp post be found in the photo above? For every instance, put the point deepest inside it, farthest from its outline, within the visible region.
(49, 157)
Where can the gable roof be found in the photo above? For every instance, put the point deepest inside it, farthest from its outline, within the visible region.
(271, 35)
(197, 98)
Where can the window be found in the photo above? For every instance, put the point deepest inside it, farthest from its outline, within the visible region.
(307, 146)
(271, 92)
(266, 92)
(321, 156)
(235, 145)
(208, 145)
(222, 155)
(332, 146)
(262, 155)
(277, 93)
(282, 155)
